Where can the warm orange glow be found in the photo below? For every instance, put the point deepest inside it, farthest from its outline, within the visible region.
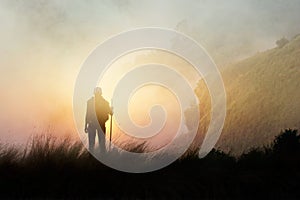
(150, 95)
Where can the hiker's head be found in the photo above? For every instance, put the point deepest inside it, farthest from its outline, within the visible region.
(98, 91)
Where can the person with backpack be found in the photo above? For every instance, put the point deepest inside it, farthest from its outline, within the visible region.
(98, 111)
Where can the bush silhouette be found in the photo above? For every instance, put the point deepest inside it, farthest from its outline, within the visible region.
(287, 142)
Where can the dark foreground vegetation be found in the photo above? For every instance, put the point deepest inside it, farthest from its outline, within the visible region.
(64, 170)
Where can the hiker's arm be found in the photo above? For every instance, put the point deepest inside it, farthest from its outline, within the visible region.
(111, 111)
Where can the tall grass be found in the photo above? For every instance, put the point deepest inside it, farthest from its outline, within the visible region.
(50, 167)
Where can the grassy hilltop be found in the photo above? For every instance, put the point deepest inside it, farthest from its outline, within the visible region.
(262, 97)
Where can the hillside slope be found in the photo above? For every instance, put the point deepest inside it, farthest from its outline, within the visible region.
(263, 97)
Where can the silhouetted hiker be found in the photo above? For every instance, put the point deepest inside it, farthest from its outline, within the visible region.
(96, 115)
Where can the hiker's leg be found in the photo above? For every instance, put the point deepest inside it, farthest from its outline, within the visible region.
(101, 138)
(102, 125)
(92, 136)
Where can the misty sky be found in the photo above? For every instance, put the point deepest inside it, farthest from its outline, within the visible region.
(43, 44)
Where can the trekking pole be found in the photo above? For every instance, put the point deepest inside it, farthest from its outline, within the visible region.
(110, 131)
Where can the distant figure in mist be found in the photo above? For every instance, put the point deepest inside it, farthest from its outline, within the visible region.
(97, 113)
